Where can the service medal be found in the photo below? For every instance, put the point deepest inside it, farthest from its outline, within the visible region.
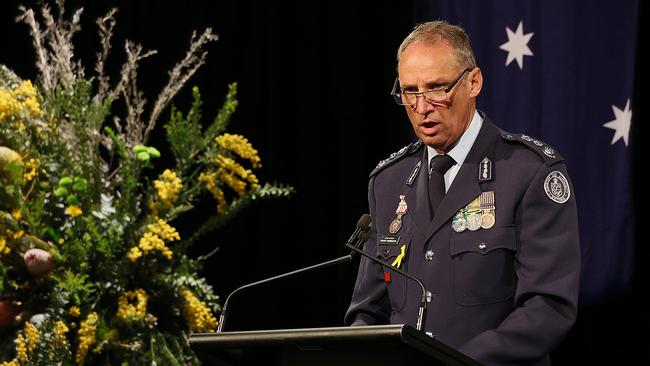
(474, 221)
(487, 220)
(395, 225)
(458, 223)
(488, 217)
(402, 209)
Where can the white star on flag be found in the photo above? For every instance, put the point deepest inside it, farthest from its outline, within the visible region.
(517, 45)
(621, 124)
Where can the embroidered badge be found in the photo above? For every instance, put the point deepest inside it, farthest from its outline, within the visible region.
(556, 187)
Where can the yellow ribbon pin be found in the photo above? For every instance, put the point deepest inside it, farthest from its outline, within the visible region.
(398, 261)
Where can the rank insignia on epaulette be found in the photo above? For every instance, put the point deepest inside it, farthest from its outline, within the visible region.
(547, 153)
(396, 156)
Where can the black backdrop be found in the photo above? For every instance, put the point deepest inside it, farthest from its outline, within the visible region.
(314, 81)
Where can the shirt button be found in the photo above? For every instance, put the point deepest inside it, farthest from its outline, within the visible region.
(428, 255)
(482, 247)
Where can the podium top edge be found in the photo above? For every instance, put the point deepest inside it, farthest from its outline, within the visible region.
(390, 331)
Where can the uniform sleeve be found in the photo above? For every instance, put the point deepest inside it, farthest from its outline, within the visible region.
(547, 267)
(370, 304)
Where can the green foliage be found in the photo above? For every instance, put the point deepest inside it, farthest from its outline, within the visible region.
(74, 286)
(221, 121)
(92, 269)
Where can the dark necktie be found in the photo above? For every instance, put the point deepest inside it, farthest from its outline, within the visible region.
(439, 165)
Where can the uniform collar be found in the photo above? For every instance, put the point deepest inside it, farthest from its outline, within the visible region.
(460, 150)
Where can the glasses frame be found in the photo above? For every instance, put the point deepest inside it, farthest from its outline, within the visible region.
(398, 93)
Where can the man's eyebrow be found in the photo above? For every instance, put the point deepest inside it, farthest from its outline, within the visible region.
(429, 85)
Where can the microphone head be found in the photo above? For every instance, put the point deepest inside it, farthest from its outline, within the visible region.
(364, 222)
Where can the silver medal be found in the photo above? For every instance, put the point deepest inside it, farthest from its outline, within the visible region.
(474, 221)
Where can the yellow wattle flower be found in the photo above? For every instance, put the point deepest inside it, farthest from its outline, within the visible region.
(210, 181)
(60, 332)
(23, 98)
(132, 305)
(198, 316)
(167, 186)
(86, 337)
(154, 240)
(31, 169)
(240, 146)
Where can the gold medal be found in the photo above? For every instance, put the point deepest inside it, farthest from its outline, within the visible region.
(487, 220)
(488, 216)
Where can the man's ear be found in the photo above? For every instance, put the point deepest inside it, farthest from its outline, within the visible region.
(475, 82)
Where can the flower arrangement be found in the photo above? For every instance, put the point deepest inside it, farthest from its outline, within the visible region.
(92, 269)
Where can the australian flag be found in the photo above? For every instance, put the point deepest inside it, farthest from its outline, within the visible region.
(563, 71)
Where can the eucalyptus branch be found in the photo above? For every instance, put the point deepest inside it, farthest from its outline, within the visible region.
(179, 75)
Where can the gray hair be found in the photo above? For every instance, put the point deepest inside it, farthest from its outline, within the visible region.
(440, 30)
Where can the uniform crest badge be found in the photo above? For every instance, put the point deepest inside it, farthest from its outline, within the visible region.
(557, 187)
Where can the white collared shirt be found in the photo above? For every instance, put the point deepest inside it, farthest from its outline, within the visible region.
(460, 150)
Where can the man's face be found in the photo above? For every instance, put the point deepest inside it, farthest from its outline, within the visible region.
(425, 66)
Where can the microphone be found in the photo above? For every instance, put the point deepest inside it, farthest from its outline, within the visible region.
(362, 233)
(363, 226)
(423, 301)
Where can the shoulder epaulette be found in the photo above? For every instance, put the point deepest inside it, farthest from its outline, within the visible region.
(542, 149)
(396, 156)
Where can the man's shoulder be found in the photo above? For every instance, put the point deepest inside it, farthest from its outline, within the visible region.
(548, 154)
(407, 150)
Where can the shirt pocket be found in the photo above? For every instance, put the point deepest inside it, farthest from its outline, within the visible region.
(397, 287)
(483, 265)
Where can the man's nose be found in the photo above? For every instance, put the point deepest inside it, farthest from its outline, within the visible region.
(422, 105)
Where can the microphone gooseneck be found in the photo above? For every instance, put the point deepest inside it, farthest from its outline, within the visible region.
(358, 236)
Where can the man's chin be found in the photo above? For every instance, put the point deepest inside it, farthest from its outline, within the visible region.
(433, 142)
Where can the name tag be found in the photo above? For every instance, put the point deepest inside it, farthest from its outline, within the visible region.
(388, 240)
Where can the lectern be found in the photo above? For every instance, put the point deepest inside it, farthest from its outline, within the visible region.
(393, 345)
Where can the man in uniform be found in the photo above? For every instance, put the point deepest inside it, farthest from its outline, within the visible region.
(486, 219)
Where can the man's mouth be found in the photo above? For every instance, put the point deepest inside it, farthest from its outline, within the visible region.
(429, 127)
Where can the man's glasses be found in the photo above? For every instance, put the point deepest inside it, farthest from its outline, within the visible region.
(431, 95)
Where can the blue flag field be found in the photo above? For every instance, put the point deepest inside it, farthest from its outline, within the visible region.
(563, 72)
